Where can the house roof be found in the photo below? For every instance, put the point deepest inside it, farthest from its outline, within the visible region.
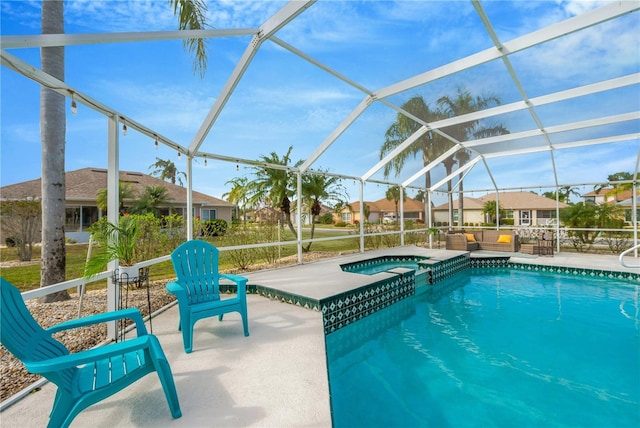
(83, 185)
(384, 204)
(508, 201)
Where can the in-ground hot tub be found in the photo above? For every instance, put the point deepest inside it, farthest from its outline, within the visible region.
(385, 264)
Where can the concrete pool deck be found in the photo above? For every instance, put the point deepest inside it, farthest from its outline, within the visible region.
(276, 377)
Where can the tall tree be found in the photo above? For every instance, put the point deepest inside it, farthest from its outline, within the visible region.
(273, 185)
(52, 133)
(448, 167)
(191, 16)
(564, 194)
(53, 130)
(317, 188)
(463, 103)
(166, 170)
(428, 146)
(366, 212)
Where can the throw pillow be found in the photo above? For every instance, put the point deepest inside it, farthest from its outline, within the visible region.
(470, 237)
(504, 239)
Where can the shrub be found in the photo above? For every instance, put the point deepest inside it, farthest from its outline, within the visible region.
(214, 227)
(326, 218)
(341, 224)
(10, 241)
(245, 257)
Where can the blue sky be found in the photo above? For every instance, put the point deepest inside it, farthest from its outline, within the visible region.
(284, 101)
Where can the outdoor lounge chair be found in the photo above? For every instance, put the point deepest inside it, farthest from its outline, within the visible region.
(86, 377)
(197, 288)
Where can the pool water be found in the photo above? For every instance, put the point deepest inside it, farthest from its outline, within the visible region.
(385, 266)
(493, 347)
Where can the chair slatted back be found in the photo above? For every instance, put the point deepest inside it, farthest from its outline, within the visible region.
(196, 266)
(21, 334)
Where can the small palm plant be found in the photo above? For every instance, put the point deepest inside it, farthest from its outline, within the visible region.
(115, 242)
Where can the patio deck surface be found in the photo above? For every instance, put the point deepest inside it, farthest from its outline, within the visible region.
(276, 377)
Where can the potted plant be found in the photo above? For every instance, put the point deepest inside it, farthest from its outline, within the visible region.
(114, 242)
(434, 232)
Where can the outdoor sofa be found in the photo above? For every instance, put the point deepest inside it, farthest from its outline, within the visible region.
(490, 240)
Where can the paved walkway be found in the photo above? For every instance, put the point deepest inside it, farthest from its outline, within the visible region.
(276, 377)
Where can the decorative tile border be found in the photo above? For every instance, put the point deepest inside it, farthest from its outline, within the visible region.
(489, 262)
(595, 273)
(343, 309)
(442, 269)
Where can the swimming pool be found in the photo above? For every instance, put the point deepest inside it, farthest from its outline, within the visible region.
(493, 347)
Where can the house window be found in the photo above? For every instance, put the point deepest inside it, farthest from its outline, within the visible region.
(209, 214)
(72, 219)
(346, 217)
(627, 214)
(546, 214)
(508, 214)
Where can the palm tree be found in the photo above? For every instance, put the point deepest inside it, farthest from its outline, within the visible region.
(564, 194)
(366, 211)
(490, 209)
(125, 191)
(166, 170)
(53, 129)
(191, 17)
(464, 103)
(239, 195)
(273, 186)
(448, 163)
(316, 188)
(151, 199)
(428, 146)
(393, 194)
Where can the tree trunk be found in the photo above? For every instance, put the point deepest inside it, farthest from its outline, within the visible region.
(52, 131)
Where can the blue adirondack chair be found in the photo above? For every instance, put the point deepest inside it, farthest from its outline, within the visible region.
(197, 288)
(87, 377)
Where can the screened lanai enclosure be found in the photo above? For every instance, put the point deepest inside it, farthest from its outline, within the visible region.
(442, 99)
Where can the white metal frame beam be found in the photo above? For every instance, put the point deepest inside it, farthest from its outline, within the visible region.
(271, 26)
(50, 40)
(588, 19)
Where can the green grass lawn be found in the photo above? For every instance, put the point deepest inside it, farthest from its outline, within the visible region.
(26, 275)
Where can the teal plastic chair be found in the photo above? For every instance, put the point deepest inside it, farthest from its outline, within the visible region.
(87, 377)
(197, 288)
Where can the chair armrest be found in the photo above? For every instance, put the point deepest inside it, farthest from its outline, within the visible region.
(240, 281)
(235, 278)
(88, 356)
(174, 287)
(132, 313)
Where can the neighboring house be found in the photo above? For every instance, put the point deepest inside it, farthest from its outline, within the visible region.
(82, 211)
(306, 216)
(525, 208)
(609, 196)
(382, 210)
(264, 215)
